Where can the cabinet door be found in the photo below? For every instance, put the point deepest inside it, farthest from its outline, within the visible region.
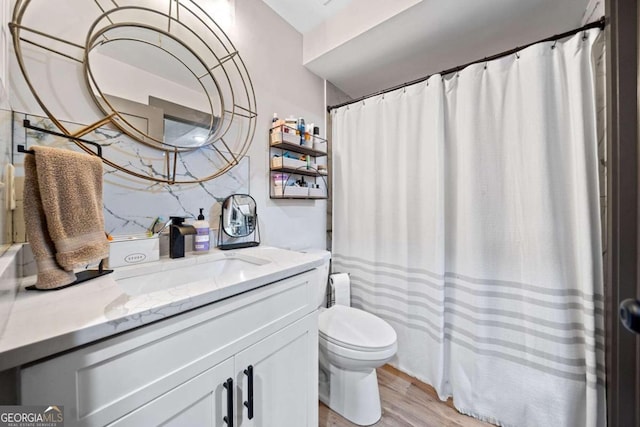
(201, 401)
(285, 377)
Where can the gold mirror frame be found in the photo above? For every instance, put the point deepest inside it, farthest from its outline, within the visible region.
(241, 107)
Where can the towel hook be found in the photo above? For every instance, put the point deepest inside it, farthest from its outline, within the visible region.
(22, 149)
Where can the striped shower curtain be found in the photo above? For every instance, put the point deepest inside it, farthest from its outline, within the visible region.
(466, 209)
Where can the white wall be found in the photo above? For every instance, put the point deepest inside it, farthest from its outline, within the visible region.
(593, 12)
(334, 95)
(5, 126)
(272, 52)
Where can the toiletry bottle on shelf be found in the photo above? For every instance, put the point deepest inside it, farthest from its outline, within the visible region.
(274, 121)
(308, 141)
(301, 130)
(290, 124)
(201, 239)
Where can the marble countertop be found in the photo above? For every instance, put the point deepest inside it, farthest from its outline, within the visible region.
(41, 324)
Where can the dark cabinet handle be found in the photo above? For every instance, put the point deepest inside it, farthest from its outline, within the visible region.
(249, 402)
(228, 384)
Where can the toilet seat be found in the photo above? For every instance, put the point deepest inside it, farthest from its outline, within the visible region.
(346, 357)
(345, 328)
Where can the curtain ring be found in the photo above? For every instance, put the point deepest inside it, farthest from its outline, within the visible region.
(383, 96)
(363, 104)
(585, 36)
(485, 63)
(517, 55)
(404, 89)
(553, 46)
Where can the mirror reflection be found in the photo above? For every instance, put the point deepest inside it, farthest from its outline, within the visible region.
(175, 72)
(239, 215)
(184, 134)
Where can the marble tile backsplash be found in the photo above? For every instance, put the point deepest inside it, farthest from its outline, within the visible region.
(131, 204)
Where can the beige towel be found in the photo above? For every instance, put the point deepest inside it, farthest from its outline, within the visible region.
(50, 274)
(71, 193)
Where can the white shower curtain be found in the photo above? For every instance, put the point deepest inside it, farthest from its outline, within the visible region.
(467, 211)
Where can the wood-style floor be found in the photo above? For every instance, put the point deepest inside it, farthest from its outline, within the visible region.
(407, 402)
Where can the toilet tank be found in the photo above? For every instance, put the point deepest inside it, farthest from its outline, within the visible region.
(321, 276)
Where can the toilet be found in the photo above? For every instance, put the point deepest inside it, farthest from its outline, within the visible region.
(353, 343)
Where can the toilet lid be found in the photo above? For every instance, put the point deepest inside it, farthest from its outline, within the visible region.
(353, 328)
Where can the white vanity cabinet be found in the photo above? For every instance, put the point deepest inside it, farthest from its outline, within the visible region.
(174, 371)
(281, 378)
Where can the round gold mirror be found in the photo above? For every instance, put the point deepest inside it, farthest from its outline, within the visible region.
(162, 72)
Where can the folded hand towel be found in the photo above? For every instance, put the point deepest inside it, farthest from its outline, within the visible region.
(71, 194)
(50, 274)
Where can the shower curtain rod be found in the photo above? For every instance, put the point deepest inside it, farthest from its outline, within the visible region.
(596, 24)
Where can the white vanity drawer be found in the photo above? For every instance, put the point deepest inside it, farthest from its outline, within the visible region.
(101, 382)
(198, 402)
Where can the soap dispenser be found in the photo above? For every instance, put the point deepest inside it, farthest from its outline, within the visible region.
(201, 238)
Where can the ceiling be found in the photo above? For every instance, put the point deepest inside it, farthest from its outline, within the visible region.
(427, 36)
(304, 15)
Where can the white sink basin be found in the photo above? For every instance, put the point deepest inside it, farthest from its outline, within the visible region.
(232, 265)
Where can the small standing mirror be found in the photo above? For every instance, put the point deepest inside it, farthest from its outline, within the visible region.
(238, 223)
